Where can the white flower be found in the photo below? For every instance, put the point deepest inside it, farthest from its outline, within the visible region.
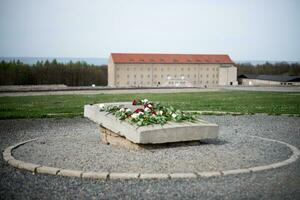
(134, 115)
(101, 106)
(160, 112)
(147, 109)
(153, 115)
(140, 113)
(149, 106)
(174, 115)
(144, 100)
(122, 110)
(128, 110)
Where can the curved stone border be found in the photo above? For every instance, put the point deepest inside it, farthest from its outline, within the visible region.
(35, 168)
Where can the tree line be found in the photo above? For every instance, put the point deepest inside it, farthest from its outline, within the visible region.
(280, 68)
(83, 74)
(52, 72)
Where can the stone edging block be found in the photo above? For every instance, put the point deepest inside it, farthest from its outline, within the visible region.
(8, 157)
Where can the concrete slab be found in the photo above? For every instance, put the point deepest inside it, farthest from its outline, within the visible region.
(152, 134)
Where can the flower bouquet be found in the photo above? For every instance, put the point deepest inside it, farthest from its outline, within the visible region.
(146, 113)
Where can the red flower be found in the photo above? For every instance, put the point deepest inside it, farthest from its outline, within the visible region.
(134, 102)
(148, 105)
(139, 110)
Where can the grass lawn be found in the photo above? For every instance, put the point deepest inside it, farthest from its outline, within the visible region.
(230, 101)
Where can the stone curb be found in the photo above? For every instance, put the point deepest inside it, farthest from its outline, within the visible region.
(47, 170)
(124, 175)
(95, 175)
(7, 156)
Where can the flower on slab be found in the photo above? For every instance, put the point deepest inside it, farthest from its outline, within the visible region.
(127, 110)
(140, 113)
(101, 106)
(174, 115)
(136, 102)
(160, 112)
(122, 110)
(147, 109)
(139, 110)
(144, 101)
(134, 115)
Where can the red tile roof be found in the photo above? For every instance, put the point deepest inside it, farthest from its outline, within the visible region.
(170, 58)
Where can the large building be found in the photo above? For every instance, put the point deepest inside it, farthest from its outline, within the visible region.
(170, 70)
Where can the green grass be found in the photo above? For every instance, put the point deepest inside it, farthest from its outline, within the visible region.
(274, 103)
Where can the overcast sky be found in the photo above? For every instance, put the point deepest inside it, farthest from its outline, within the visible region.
(246, 30)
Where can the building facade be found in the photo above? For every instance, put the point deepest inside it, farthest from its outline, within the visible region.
(170, 70)
(268, 80)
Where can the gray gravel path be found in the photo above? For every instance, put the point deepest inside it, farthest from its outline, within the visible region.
(72, 149)
(283, 183)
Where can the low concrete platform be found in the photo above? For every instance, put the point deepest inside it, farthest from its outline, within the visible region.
(151, 134)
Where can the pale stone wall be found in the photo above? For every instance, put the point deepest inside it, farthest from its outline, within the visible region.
(257, 82)
(111, 73)
(228, 75)
(155, 75)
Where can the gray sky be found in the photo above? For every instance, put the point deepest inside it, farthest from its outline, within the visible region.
(246, 30)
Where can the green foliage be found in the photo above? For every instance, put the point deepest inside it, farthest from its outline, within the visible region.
(71, 74)
(280, 68)
(145, 115)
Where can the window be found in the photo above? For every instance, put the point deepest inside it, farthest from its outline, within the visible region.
(148, 83)
(142, 76)
(188, 76)
(155, 69)
(127, 69)
(118, 76)
(181, 69)
(148, 68)
(127, 75)
(148, 75)
(135, 76)
(206, 75)
(207, 69)
(155, 76)
(161, 76)
(195, 76)
(189, 69)
(127, 82)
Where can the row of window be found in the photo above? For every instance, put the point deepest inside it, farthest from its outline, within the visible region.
(168, 68)
(169, 76)
(170, 82)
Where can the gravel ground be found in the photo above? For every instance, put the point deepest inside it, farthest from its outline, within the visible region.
(282, 183)
(77, 150)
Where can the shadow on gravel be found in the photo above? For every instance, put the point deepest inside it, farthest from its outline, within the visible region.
(184, 144)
